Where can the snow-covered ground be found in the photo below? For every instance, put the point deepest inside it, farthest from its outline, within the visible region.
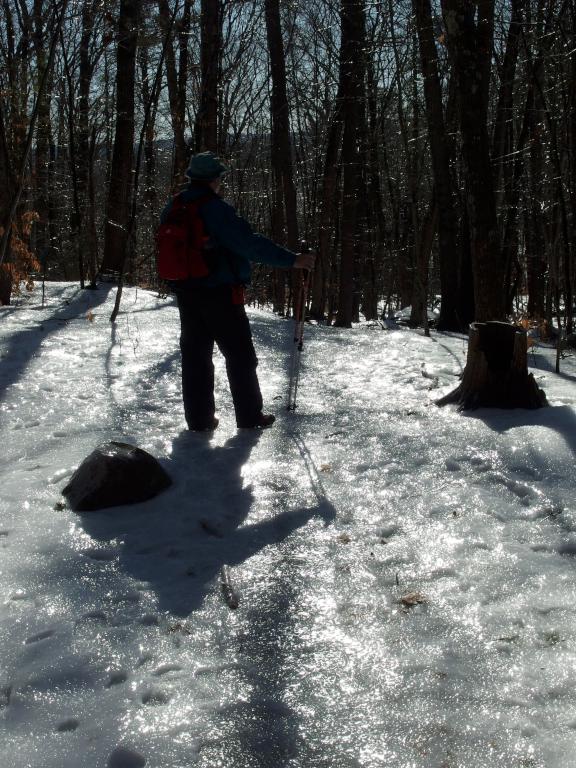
(406, 573)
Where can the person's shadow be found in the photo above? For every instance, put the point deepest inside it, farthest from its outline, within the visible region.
(178, 542)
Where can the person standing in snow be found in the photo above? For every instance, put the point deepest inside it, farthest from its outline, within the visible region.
(212, 307)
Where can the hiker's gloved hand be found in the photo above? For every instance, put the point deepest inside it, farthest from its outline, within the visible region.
(305, 261)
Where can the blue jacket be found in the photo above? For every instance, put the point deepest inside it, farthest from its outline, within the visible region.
(236, 244)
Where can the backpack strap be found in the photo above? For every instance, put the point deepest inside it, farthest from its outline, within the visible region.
(197, 202)
(179, 205)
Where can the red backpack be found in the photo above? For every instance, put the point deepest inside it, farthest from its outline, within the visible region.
(181, 242)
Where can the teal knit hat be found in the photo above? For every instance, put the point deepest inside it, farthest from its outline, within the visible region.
(206, 166)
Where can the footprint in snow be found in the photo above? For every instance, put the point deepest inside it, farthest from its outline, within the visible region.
(387, 531)
(5, 695)
(93, 616)
(452, 465)
(71, 724)
(40, 636)
(163, 669)
(567, 548)
(117, 678)
(19, 594)
(481, 465)
(155, 697)
(124, 757)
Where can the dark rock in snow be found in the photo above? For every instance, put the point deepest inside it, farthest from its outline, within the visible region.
(114, 474)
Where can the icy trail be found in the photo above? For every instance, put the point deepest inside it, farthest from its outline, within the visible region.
(406, 574)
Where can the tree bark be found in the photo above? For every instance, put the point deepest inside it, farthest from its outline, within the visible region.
(469, 43)
(88, 235)
(496, 373)
(502, 141)
(6, 192)
(449, 319)
(119, 190)
(352, 42)
(280, 113)
(176, 77)
(284, 218)
(42, 165)
(210, 56)
(328, 196)
(424, 240)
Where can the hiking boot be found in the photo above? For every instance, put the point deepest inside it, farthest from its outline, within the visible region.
(263, 421)
(208, 428)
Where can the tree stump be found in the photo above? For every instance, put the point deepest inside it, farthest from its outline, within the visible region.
(496, 373)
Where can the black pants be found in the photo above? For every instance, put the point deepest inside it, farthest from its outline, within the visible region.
(209, 315)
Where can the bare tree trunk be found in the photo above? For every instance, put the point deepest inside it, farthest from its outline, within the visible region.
(41, 155)
(572, 139)
(281, 135)
(285, 224)
(6, 193)
(510, 234)
(329, 193)
(352, 42)
(373, 261)
(177, 77)
(469, 43)
(150, 196)
(119, 190)
(566, 265)
(502, 141)
(210, 56)
(88, 238)
(76, 215)
(424, 240)
(444, 193)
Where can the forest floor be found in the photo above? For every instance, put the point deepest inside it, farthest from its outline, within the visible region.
(406, 573)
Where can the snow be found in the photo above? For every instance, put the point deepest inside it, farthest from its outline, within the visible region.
(405, 573)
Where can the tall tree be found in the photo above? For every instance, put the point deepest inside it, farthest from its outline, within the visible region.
(6, 193)
(469, 32)
(177, 77)
(440, 152)
(284, 218)
(211, 20)
(85, 156)
(43, 201)
(327, 204)
(120, 184)
(351, 52)
(281, 148)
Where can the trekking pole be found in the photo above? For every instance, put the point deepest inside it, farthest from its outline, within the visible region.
(298, 341)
